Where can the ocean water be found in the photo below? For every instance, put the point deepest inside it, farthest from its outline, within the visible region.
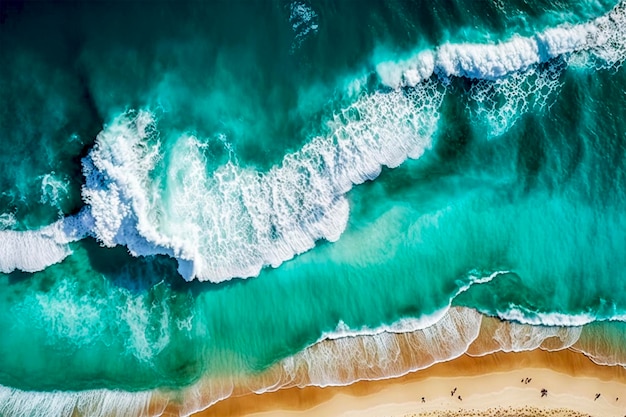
(196, 192)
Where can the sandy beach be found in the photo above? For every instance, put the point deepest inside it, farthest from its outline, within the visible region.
(499, 384)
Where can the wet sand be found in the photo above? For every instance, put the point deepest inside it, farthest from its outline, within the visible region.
(502, 384)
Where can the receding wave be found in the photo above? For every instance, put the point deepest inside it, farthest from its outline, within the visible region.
(335, 362)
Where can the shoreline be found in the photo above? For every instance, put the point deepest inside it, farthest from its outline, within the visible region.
(494, 384)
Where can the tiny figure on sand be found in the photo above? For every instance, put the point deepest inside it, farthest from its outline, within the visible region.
(544, 392)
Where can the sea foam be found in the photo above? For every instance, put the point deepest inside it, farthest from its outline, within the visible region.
(14, 402)
(384, 355)
(338, 362)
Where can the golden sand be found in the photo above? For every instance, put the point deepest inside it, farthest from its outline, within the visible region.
(492, 385)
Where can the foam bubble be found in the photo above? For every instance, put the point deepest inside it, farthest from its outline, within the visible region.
(500, 103)
(7, 221)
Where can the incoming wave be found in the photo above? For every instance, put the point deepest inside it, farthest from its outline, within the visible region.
(233, 221)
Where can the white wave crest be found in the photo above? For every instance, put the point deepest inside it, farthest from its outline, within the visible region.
(375, 356)
(604, 37)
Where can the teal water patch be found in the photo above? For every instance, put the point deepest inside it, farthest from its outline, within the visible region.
(43, 129)
(99, 319)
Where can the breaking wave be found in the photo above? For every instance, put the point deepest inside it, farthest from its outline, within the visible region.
(233, 220)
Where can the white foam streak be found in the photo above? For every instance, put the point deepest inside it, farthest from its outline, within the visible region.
(515, 337)
(377, 356)
(338, 362)
(404, 325)
(410, 324)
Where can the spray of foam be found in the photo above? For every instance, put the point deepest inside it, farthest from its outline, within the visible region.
(604, 38)
(53, 190)
(235, 220)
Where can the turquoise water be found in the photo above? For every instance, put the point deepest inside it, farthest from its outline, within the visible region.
(184, 146)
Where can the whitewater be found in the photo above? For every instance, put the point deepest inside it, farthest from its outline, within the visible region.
(235, 220)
